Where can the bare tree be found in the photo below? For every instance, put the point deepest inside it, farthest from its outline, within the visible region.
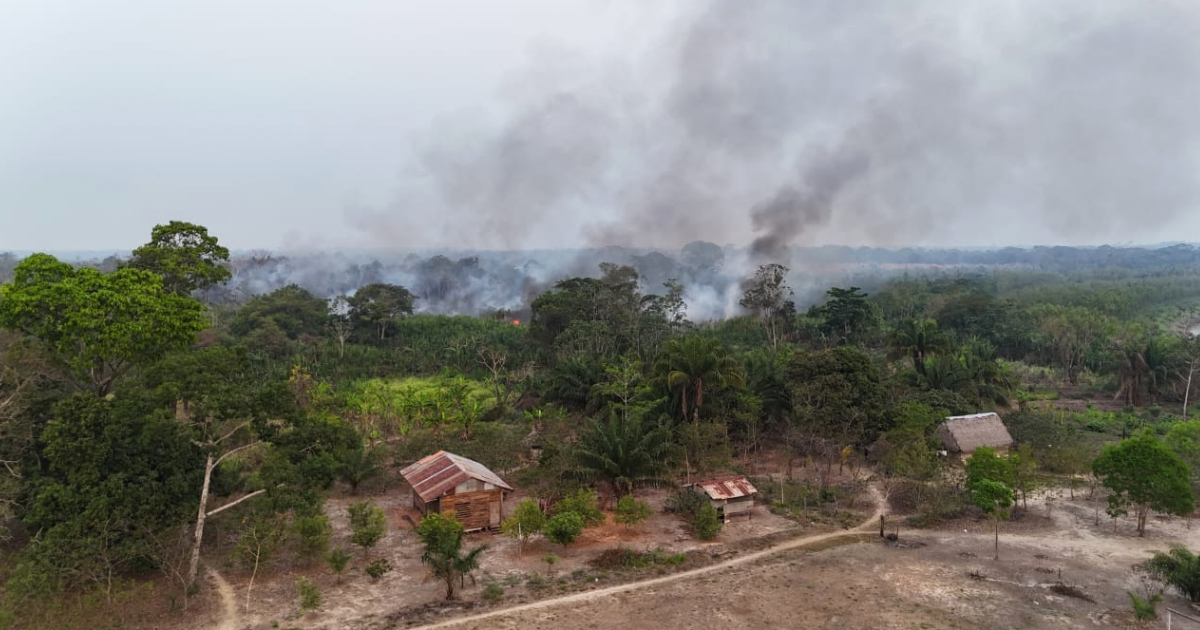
(494, 361)
(339, 323)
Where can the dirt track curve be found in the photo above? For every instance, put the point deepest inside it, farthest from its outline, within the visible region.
(632, 586)
(229, 613)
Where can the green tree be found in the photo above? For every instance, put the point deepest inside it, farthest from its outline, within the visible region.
(631, 511)
(338, 559)
(292, 311)
(375, 308)
(99, 325)
(563, 528)
(527, 520)
(690, 367)
(623, 452)
(993, 497)
(368, 524)
(1144, 473)
(916, 339)
(442, 538)
(985, 464)
(847, 316)
(1180, 568)
(585, 503)
(837, 396)
(706, 523)
(185, 255)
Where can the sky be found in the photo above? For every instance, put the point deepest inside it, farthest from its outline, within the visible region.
(309, 124)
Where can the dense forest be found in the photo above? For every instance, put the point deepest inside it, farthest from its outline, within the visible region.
(164, 408)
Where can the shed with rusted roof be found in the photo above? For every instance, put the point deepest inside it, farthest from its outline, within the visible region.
(732, 496)
(456, 486)
(964, 434)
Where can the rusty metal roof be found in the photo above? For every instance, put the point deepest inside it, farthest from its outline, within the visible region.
(727, 488)
(436, 474)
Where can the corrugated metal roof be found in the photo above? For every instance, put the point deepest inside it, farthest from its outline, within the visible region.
(436, 474)
(728, 488)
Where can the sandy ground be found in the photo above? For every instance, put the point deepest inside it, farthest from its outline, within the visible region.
(867, 584)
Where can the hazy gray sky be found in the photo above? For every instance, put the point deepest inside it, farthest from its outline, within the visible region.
(523, 123)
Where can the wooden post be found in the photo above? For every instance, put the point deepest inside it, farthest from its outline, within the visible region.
(881, 526)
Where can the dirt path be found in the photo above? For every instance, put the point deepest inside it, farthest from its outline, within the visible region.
(229, 614)
(586, 596)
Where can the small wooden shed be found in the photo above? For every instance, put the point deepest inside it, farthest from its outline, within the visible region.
(964, 434)
(732, 496)
(456, 486)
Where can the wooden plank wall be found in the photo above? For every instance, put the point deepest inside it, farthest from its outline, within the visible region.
(472, 509)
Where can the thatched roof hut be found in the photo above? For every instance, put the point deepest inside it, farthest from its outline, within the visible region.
(964, 434)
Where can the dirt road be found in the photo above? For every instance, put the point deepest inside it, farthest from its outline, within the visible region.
(586, 596)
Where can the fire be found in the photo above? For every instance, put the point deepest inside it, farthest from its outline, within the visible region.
(516, 322)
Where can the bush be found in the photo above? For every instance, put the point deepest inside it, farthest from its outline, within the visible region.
(685, 502)
(338, 559)
(564, 527)
(314, 533)
(631, 512)
(493, 593)
(1180, 568)
(378, 567)
(367, 524)
(310, 595)
(1145, 609)
(585, 503)
(707, 523)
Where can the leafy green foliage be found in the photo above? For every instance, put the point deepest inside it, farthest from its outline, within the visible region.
(1143, 472)
(310, 595)
(585, 503)
(377, 568)
(368, 524)
(338, 559)
(1145, 609)
(563, 528)
(691, 367)
(706, 524)
(314, 532)
(985, 465)
(375, 307)
(838, 393)
(631, 512)
(291, 312)
(624, 451)
(527, 520)
(492, 593)
(185, 256)
(1179, 568)
(442, 538)
(99, 325)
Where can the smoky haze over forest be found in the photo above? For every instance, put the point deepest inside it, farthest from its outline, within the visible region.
(581, 123)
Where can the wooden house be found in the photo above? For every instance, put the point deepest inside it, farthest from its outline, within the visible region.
(964, 434)
(456, 486)
(732, 496)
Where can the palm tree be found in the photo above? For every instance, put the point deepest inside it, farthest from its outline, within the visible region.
(442, 537)
(916, 339)
(688, 365)
(625, 451)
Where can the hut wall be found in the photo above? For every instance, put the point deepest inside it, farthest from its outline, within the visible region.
(475, 510)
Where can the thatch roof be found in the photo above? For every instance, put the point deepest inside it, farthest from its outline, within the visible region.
(438, 473)
(964, 434)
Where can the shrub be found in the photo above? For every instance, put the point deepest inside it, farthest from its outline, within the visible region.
(564, 527)
(631, 511)
(585, 503)
(706, 523)
(367, 524)
(527, 520)
(493, 593)
(685, 502)
(378, 567)
(314, 533)
(338, 559)
(1180, 568)
(1145, 609)
(310, 595)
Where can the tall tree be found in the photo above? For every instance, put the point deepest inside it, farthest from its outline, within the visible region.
(768, 296)
(848, 316)
(688, 367)
(624, 451)
(375, 307)
(99, 325)
(916, 339)
(185, 255)
(1144, 473)
(442, 538)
